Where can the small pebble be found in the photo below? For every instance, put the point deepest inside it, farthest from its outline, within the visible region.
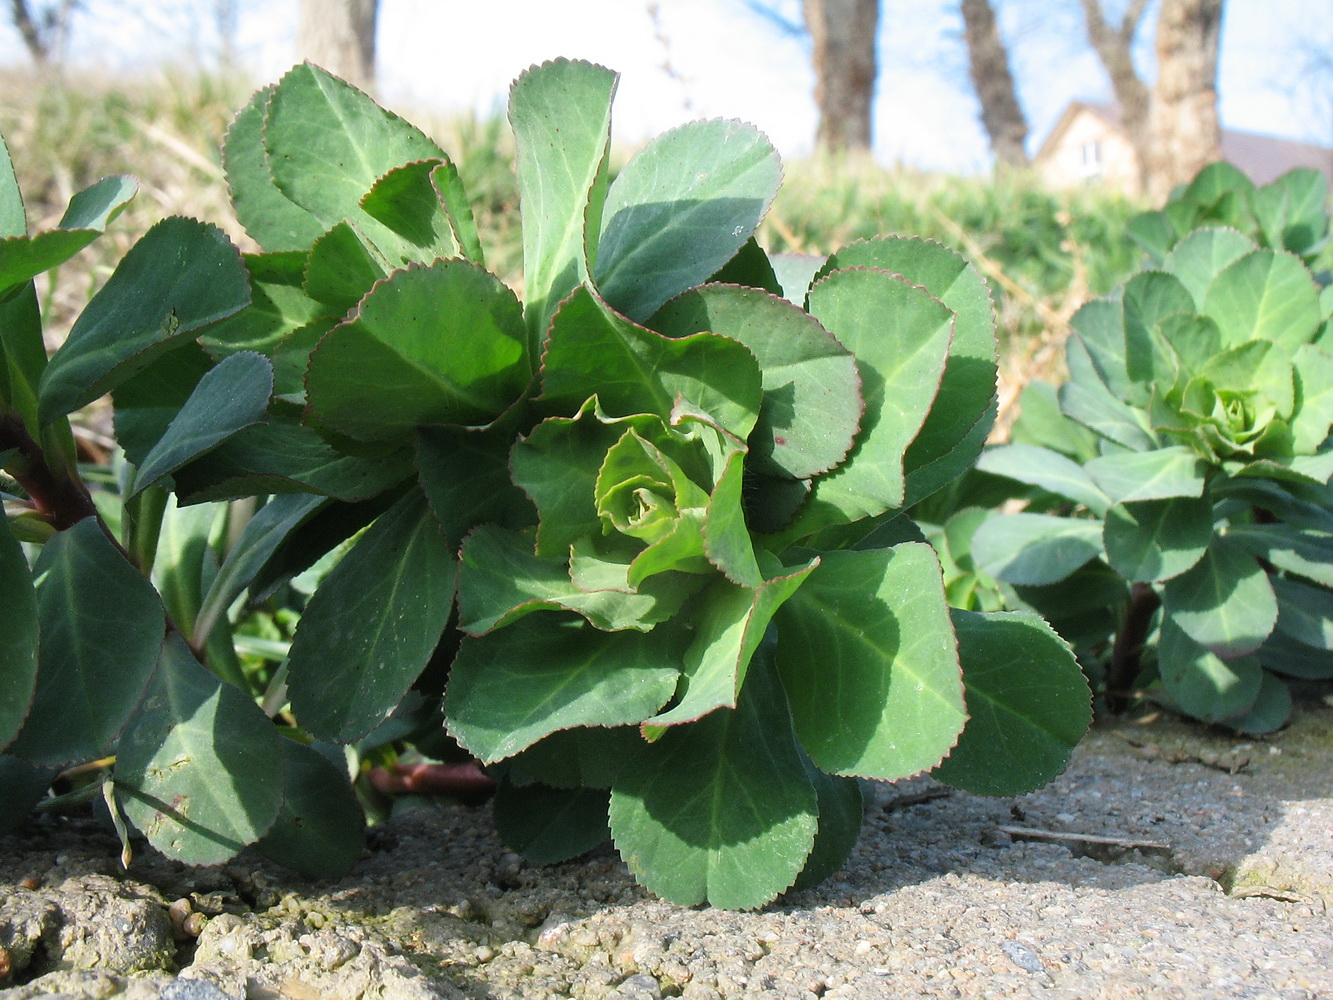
(1022, 956)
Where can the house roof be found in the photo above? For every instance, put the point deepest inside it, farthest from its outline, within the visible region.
(1263, 158)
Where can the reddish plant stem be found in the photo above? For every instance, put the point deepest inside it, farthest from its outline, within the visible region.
(1128, 647)
(63, 499)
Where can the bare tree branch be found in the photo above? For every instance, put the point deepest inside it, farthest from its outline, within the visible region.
(775, 17)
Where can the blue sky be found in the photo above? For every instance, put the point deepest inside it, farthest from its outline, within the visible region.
(443, 55)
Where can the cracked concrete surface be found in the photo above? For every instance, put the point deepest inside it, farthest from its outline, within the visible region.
(1167, 861)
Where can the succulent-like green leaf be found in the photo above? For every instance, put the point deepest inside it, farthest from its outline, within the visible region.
(1215, 183)
(183, 559)
(199, 766)
(900, 335)
(751, 268)
(319, 828)
(549, 825)
(795, 273)
(18, 635)
(726, 533)
(720, 810)
(328, 144)
(306, 540)
(1270, 711)
(465, 475)
(272, 219)
(1027, 701)
(812, 400)
(437, 344)
(1041, 423)
(1100, 329)
(1150, 475)
(279, 306)
(1202, 683)
(1198, 258)
(501, 580)
(232, 396)
(180, 278)
(1304, 553)
(841, 810)
(1152, 540)
(593, 350)
(448, 185)
(1304, 612)
(281, 457)
(146, 403)
(937, 455)
(1266, 295)
(1292, 211)
(548, 672)
(341, 268)
(369, 630)
(1087, 399)
(1195, 340)
(1299, 507)
(23, 258)
(101, 630)
(13, 218)
(23, 357)
(406, 201)
(731, 623)
(680, 209)
(561, 115)
(1153, 232)
(1035, 549)
(867, 657)
(1313, 369)
(1149, 298)
(1282, 653)
(1225, 603)
(1047, 469)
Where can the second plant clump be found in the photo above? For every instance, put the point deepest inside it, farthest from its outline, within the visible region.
(1180, 531)
(636, 540)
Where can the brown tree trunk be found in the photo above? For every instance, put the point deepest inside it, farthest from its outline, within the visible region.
(43, 30)
(1114, 46)
(339, 36)
(1184, 134)
(843, 33)
(988, 62)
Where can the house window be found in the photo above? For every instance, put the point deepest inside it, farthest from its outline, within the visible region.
(1092, 158)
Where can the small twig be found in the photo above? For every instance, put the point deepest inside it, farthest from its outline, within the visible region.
(1215, 761)
(1090, 839)
(1270, 892)
(668, 67)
